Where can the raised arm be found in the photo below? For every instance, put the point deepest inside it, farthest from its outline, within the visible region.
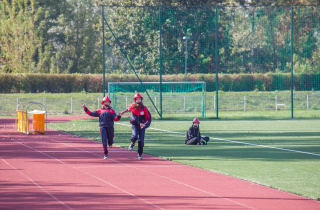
(92, 114)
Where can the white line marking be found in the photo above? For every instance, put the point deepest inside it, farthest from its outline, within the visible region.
(83, 172)
(127, 166)
(149, 173)
(237, 142)
(36, 183)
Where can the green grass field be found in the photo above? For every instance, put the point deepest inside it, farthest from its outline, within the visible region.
(290, 171)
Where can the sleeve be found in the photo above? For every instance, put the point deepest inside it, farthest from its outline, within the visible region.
(115, 116)
(189, 135)
(92, 114)
(148, 118)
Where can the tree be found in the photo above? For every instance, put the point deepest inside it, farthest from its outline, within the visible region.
(19, 41)
(77, 48)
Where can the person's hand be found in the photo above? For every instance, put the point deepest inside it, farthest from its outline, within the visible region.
(84, 106)
(142, 125)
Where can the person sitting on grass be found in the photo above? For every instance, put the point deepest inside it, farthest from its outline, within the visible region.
(193, 136)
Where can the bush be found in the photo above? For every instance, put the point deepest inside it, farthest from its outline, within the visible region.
(67, 83)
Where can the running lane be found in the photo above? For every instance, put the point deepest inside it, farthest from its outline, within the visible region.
(62, 171)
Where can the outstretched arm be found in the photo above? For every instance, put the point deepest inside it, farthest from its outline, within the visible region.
(93, 114)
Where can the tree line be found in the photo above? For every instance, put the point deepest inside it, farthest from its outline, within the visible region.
(65, 36)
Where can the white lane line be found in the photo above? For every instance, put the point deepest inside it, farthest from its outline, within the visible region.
(128, 166)
(135, 167)
(87, 173)
(36, 183)
(237, 142)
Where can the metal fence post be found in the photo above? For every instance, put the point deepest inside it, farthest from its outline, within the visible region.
(160, 63)
(216, 62)
(98, 102)
(17, 102)
(155, 102)
(214, 103)
(244, 102)
(291, 61)
(44, 101)
(71, 106)
(126, 101)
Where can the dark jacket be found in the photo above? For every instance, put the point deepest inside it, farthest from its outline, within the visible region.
(106, 116)
(192, 133)
(141, 115)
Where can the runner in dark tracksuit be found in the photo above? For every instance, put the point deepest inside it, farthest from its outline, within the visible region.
(193, 135)
(107, 116)
(140, 120)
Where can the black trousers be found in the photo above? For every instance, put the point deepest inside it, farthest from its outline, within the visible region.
(138, 134)
(107, 134)
(193, 141)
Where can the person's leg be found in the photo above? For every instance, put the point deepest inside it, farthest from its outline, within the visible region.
(134, 136)
(104, 138)
(193, 141)
(141, 142)
(110, 134)
(205, 139)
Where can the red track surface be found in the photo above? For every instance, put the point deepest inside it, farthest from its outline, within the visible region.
(61, 171)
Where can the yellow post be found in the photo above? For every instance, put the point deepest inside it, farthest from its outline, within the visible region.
(23, 121)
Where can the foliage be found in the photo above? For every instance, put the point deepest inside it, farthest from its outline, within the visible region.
(65, 36)
(19, 41)
(67, 83)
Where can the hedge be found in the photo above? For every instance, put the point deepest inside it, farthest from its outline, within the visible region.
(67, 83)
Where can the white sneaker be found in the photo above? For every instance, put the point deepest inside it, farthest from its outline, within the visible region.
(105, 157)
(130, 148)
(140, 158)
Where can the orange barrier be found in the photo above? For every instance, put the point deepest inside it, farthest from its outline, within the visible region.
(38, 123)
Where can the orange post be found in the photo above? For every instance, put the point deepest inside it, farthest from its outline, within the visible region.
(38, 123)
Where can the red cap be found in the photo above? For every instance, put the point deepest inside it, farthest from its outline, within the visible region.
(137, 95)
(196, 120)
(105, 99)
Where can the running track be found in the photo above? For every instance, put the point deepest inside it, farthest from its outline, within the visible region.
(61, 171)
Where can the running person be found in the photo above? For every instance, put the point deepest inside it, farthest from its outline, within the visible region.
(193, 135)
(140, 120)
(107, 116)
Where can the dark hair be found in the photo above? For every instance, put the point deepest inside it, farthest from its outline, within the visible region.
(137, 106)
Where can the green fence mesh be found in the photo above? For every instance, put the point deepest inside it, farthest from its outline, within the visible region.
(178, 98)
(256, 61)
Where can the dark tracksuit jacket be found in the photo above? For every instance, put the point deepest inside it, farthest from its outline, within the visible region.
(141, 115)
(106, 123)
(193, 136)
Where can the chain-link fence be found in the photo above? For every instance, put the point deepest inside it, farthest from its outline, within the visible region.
(231, 106)
(279, 46)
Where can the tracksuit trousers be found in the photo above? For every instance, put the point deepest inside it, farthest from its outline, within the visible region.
(138, 134)
(107, 134)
